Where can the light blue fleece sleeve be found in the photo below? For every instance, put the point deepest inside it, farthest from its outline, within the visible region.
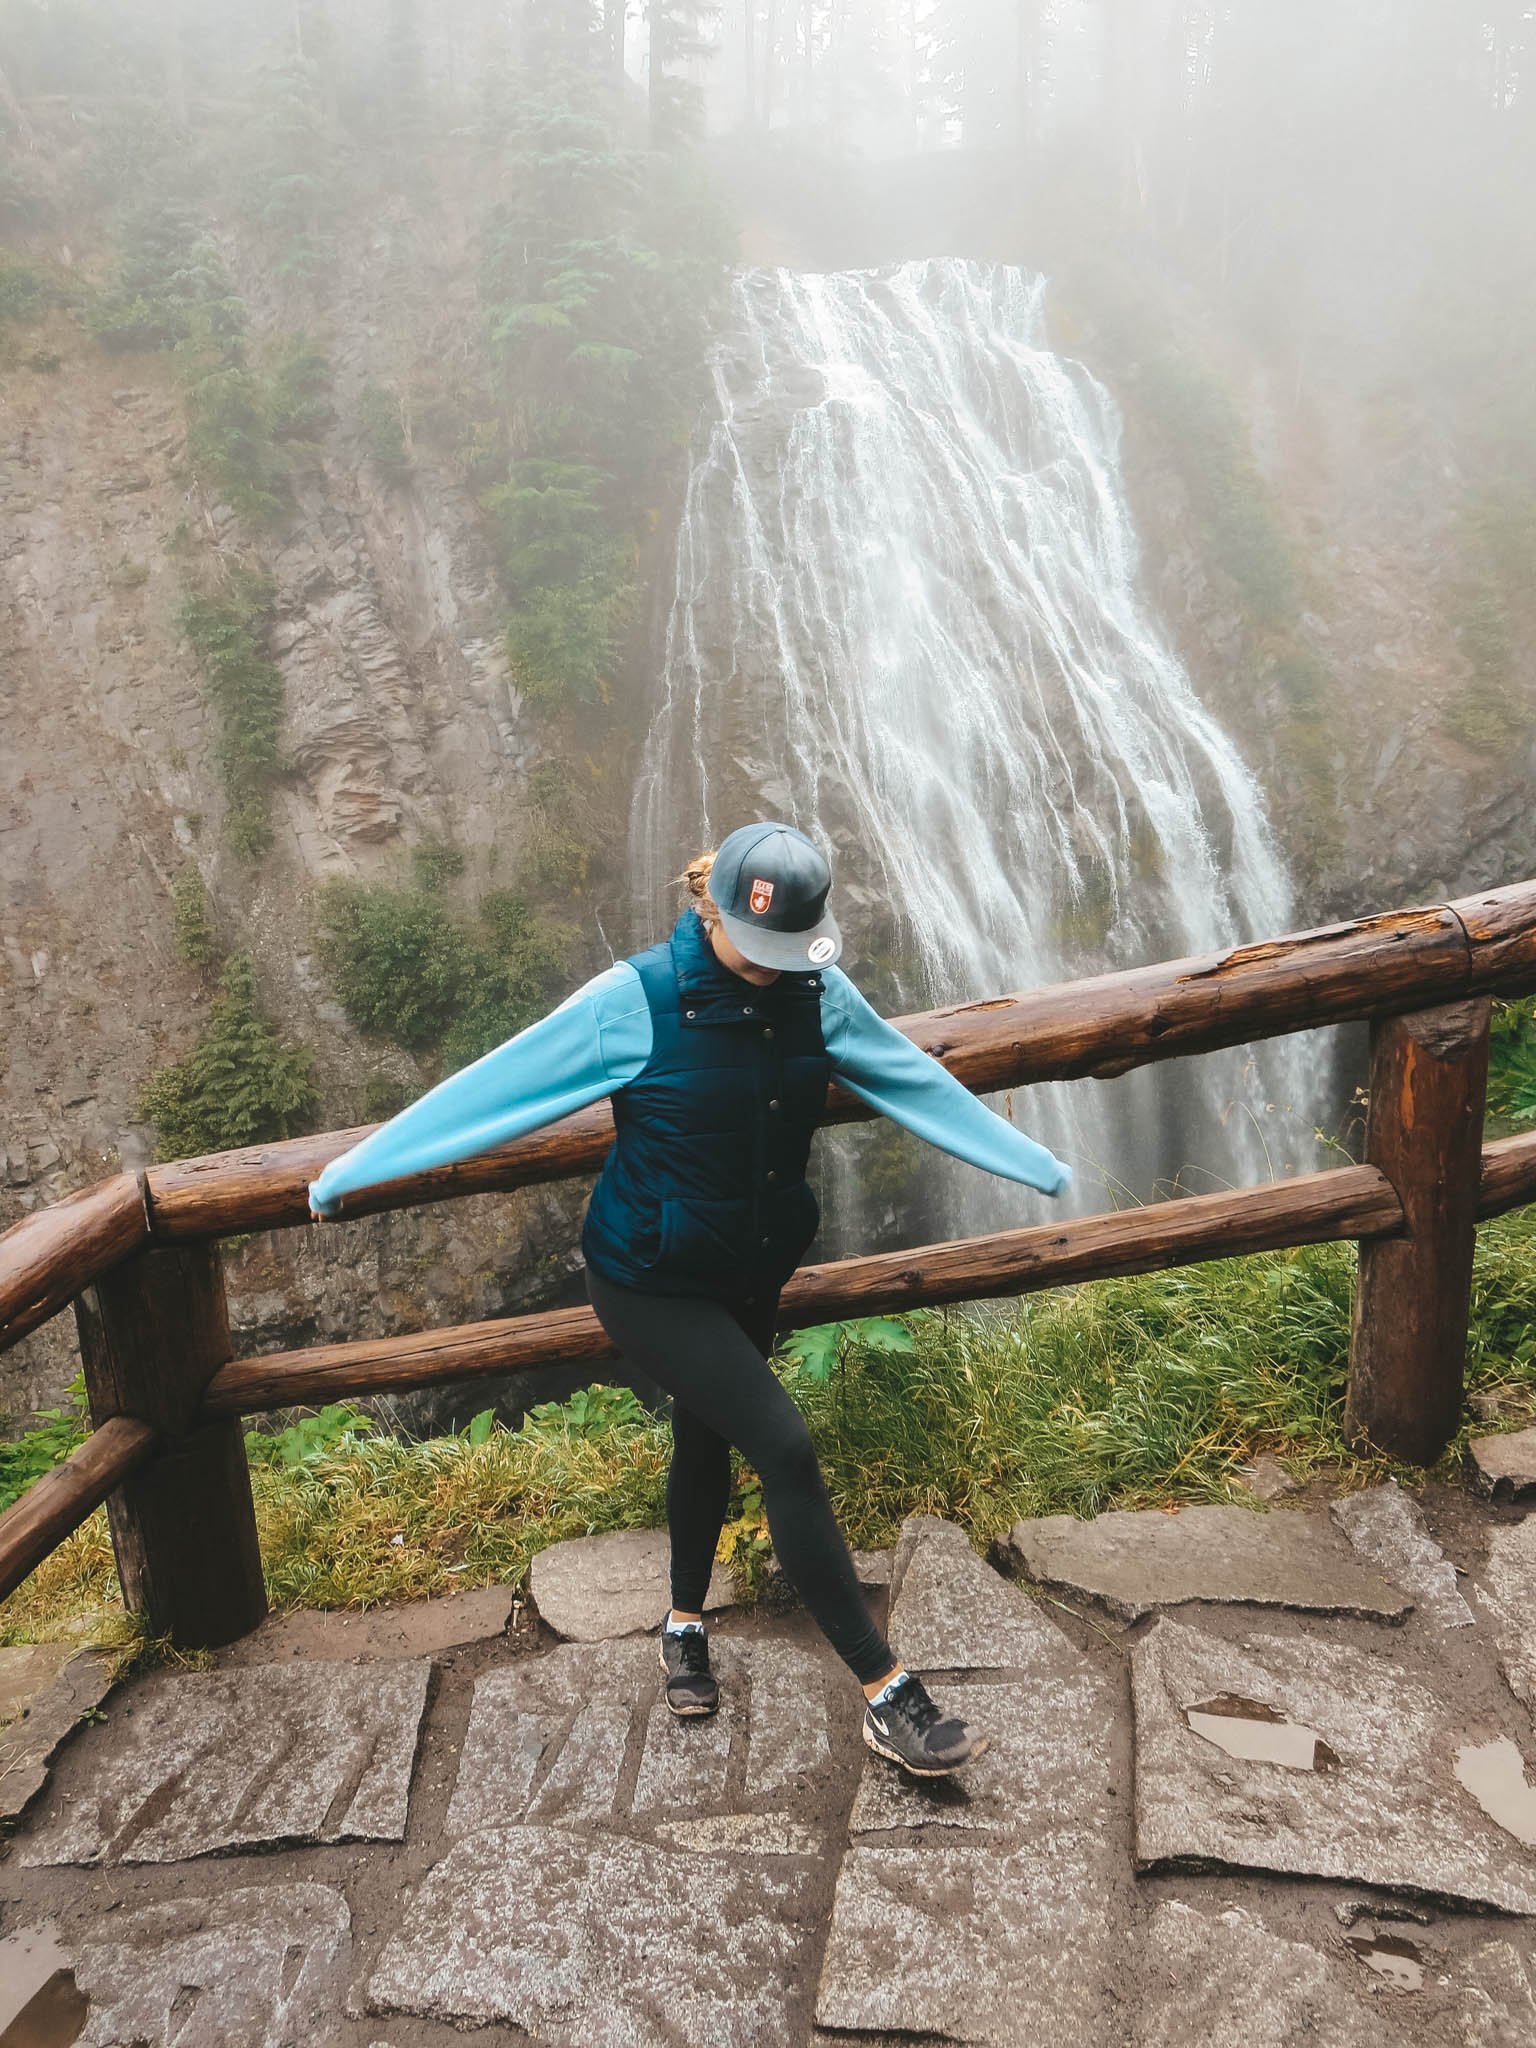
(595, 1041)
(884, 1068)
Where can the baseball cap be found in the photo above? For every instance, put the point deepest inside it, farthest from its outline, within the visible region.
(770, 885)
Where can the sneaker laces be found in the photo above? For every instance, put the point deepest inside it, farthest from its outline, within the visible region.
(692, 1653)
(915, 1704)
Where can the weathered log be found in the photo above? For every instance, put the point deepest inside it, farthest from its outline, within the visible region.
(1428, 1081)
(1501, 931)
(1352, 1201)
(47, 1257)
(60, 1501)
(1103, 1027)
(1508, 1179)
(152, 1335)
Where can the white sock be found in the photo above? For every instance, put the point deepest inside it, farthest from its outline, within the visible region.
(681, 1628)
(888, 1688)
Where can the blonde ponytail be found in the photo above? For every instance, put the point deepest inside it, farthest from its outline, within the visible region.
(695, 879)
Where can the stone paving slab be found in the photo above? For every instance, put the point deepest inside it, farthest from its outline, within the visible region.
(265, 1966)
(1009, 1948)
(1041, 1727)
(551, 1739)
(594, 1587)
(1138, 1560)
(951, 1612)
(1387, 1528)
(1505, 1466)
(1509, 1594)
(283, 1753)
(601, 1942)
(1223, 1980)
(1016, 1938)
(46, 1691)
(1391, 1814)
(413, 1628)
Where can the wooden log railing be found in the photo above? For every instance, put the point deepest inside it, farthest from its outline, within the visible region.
(136, 1254)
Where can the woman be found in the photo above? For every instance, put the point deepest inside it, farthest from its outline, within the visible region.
(717, 1046)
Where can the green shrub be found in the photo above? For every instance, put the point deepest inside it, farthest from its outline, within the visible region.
(434, 864)
(298, 389)
(171, 283)
(197, 938)
(406, 968)
(397, 958)
(26, 1458)
(231, 432)
(379, 416)
(516, 958)
(24, 291)
(1512, 1062)
(226, 629)
(240, 1085)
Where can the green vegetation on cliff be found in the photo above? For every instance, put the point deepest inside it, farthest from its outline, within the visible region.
(240, 1085)
(226, 627)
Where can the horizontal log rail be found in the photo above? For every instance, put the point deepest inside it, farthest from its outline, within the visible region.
(1346, 973)
(1421, 978)
(47, 1258)
(62, 1499)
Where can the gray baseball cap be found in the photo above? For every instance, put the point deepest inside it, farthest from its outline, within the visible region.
(770, 884)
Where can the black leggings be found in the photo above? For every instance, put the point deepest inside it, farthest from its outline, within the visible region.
(712, 1358)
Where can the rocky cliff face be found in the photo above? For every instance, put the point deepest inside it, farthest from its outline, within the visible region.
(400, 725)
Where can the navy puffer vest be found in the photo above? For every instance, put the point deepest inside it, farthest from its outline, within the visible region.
(704, 1192)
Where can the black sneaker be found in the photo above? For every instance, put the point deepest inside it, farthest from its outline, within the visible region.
(908, 1728)
(691, 1685)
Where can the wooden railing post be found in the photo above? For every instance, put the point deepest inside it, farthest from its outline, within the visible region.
(1424, 1130)
(152, 1335)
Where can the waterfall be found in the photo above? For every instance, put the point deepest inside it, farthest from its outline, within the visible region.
(907, 619)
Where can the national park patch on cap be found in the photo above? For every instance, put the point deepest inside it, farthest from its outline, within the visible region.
(761, 896)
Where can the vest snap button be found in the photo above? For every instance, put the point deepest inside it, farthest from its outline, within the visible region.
(771, 1174)
(692, 1013)
(774, 1103)
(746, 1009)
(766, 1242)
(767, 1031)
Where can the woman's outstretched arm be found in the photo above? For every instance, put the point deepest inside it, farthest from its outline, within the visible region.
(595, 1041)
(880, 1065)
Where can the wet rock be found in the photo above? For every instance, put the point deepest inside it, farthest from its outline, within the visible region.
(1505, 1466)
(415, 1628)
(548, 1739)
(1387, 1529)
(281, 1753)
(265, 1966)
(1499, 2007)
(1138, 1561)
(1386, 1810)
(1017, 1938)
(1047, 1730)
(1223, 1980)
(951, 1612)
(599, 1586)
(1509, 1593)
(999, 1947)
(602, 1942)
(46, 1690)
(742, 1834)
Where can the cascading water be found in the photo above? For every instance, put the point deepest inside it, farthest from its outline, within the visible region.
(907, 620)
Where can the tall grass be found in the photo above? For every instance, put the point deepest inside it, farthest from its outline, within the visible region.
(1126, 1393)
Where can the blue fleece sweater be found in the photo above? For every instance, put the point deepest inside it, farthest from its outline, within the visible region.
(599, 1039)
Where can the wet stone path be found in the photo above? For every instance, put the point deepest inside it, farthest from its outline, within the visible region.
(1255, 1779)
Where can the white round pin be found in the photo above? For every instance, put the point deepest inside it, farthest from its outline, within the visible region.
(820, 949)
